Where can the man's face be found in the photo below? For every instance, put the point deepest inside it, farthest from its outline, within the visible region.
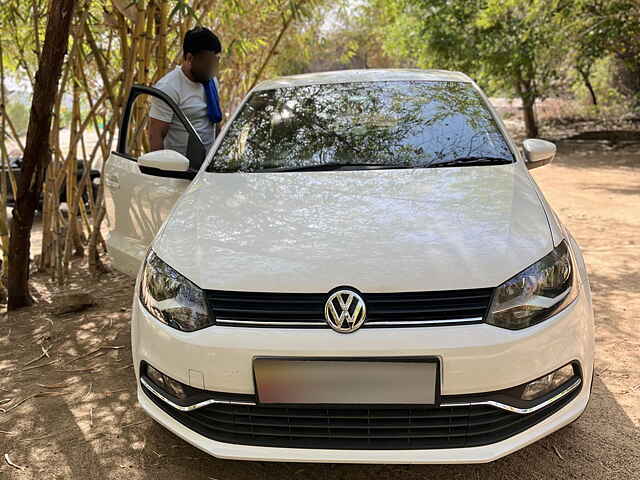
(204, 65)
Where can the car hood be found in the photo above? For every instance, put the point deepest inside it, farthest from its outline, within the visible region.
(374, 230)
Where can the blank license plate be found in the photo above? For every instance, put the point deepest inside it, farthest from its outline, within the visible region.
(345, 382)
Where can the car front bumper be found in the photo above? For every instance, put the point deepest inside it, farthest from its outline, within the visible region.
(482, 454)
(472, 359)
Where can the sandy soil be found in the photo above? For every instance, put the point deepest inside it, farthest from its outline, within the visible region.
(86, 423)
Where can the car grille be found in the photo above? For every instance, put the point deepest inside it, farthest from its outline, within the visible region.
(300, 310)
(391, 427)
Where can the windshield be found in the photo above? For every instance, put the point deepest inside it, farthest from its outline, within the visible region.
(362, 125)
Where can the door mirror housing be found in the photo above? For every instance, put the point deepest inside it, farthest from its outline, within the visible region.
(538, 152)
(165, 160)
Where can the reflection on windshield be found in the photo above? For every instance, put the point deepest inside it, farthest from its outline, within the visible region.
(393, 124)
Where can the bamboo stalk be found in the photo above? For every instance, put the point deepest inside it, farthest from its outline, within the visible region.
(286, 23)
(14, 132)
(51, 197)
(4, 225)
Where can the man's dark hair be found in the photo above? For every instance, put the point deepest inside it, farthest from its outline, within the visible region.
(200, 38)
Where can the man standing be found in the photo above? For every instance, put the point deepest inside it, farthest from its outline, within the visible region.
(193, 86)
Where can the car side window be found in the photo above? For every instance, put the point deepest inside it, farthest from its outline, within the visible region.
(143, 106)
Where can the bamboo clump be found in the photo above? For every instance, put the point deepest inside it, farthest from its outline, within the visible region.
(114, 44)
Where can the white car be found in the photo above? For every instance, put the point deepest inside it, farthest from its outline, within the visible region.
(361, 269)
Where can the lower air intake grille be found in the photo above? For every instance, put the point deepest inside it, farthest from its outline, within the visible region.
(393, 427)
(300, 310)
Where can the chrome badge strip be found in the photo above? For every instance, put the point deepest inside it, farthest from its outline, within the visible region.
(224, 322)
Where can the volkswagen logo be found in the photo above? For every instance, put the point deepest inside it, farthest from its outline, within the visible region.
(345, 311)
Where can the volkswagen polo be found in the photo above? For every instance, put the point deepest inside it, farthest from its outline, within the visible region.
(360, 269)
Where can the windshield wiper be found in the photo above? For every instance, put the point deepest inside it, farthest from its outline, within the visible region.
(331, 166)
(472, 161)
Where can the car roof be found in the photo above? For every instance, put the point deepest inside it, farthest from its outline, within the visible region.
(368, 75)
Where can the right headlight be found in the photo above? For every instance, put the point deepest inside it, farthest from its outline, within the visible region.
(171, 298)
(536, 293)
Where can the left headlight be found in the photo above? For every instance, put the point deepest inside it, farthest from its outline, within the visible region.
(171, 298)
(536, 293)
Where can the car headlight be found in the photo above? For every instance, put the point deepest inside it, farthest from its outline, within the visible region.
(171, 298)
(536, 293)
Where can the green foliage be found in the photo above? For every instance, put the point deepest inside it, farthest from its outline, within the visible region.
(518, 47)
(337, 35)
(512, 44)
(610, 28)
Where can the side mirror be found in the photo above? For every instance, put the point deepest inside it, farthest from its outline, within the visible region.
(166, 160)
(538, 152)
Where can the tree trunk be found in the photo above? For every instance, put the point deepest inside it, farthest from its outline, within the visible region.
(530, 121)
(527, 93)
(37, 153)
(587, 83)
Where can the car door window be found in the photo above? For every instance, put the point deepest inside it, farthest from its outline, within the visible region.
(134, 131)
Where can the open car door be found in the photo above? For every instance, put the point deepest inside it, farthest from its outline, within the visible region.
(138, 198)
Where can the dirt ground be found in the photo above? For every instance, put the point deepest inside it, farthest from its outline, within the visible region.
(67, 393)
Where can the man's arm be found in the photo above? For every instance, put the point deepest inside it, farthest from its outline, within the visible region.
(157, 131)
(160, 116)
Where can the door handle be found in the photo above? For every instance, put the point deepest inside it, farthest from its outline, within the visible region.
(112, 181)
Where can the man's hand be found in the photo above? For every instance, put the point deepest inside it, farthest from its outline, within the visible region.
(157, 131)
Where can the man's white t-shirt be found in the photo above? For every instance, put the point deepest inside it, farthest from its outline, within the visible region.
(191, 99)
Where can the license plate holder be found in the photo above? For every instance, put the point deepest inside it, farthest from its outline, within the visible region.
(413, 381)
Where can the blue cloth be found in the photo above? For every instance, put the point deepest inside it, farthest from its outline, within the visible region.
(213, 101)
